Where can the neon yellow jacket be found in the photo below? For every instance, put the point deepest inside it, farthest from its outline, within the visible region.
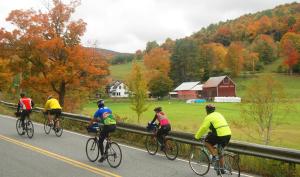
(52, 104)
(216, 123)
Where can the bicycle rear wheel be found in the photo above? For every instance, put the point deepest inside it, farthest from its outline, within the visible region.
(47, 126)
(151, 145)
(29, 128)
(114, 155)
(92, 149)
(171, 149)
(58, 131)
(199, 161)
(19, 127)
(231, 166)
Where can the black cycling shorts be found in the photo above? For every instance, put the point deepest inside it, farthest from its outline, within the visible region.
(56, 112)
(214, 139)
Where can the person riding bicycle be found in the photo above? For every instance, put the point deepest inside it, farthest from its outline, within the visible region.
(220, 132)
(164, 124)
(104, 116)
(25, 105)
(53, 109)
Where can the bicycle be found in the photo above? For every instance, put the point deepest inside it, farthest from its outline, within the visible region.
(28, 126)
(48, 126)
(152, 144)
(200, 161)
(112, 150)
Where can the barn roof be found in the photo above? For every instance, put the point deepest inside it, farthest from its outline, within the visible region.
(197, 87)
(214, 81)
(187, 86)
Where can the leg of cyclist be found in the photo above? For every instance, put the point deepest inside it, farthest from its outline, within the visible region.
(210, 141)
(223, 141)
(57, 113)
(50, 120)
(104, 134)
(163, 131)
(23, 116)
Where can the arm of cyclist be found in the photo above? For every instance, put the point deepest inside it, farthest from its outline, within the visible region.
(19, 106)
(203, 129)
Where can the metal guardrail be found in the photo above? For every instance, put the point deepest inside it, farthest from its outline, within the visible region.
(239, 147)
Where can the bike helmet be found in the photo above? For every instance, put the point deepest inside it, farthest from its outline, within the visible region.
(100, 103)
(22, 95)
(49, 97)
(157, 109)
(210, 108)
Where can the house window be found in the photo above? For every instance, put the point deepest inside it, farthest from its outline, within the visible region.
(120, 87)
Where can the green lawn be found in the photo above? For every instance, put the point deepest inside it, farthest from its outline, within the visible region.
(119, 72)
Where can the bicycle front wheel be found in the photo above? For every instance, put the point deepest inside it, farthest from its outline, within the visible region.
(151, 145)
(58, 131)
(47, 126)
(19, 127)
(29, 128)
(231, 166)
(92, 149)
(199, 161)
(114, 155)
(171, 149)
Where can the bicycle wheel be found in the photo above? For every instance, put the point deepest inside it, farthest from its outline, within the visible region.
(171, 149)
(92, 149)
(199, 161)
(114, 155)
(151, 145)
(58, 131)
(231, 166)
(19, 127)
(29, 128)
(47, 126)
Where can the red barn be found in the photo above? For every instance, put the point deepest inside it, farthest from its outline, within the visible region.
(189, 90)
(221, 86)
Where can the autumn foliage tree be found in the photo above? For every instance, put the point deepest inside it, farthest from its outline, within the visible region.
(234, 58)
(289, 49)
(48, 49)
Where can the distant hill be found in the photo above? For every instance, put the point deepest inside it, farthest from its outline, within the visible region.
(109, 54)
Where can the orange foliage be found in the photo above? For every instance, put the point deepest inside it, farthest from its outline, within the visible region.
(50, 54)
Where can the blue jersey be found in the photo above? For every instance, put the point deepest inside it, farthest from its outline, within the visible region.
(99, 113)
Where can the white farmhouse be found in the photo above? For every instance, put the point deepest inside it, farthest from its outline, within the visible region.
(118, 89)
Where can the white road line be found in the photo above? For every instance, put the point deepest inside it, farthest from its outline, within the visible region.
(129, 147)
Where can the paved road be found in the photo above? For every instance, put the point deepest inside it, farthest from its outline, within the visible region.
(48, 156)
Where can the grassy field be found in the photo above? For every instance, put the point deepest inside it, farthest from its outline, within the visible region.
(119, 72)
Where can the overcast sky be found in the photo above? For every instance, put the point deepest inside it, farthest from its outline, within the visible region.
(127, 25)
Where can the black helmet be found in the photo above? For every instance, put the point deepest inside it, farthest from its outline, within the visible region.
(22, 94)
(100, 103)
(157, 109)
(210, 108)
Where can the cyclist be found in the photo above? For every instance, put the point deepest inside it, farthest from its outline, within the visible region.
(164, 124)
(104, 116)
(25, 105)
(220, 132)
(53, 109)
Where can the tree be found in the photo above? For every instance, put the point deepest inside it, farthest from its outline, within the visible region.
(158, 59)
(290, 50)
(138, 90)
(185, 61)
(234, 58)
(151, 45)
(160, 86)
(223, 36)
(49, 51)
(168, 45)
(264, 98)
(250, 59)
(6, 76)
(265, 47)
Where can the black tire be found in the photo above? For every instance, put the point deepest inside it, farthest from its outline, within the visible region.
(29, 129)
(47, 127)
(171, 149)
(92, 149)
(151, 145)
(59, 131)
(19, 127)
(199, 161)
(231, 166)
(114, 155)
